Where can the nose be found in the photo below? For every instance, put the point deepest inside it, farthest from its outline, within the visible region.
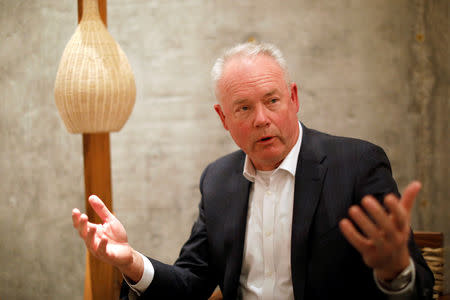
(261, 119)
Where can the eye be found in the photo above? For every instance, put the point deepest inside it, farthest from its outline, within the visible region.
(242, 108)
(274, 100)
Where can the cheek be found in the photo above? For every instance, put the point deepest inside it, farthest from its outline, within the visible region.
(287, 121)
(241, 135)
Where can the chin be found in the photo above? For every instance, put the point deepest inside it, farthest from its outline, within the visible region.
(272, 160)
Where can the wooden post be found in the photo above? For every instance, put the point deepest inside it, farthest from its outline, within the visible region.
(102, 281)
(101, 8)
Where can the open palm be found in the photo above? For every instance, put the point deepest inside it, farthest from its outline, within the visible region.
(107, 241)
(384, 241)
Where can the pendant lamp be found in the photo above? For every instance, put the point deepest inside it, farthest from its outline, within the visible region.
(95, 89)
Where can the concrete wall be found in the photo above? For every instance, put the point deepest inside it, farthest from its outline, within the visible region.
(376, 70)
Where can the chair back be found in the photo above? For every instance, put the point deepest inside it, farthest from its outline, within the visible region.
(432, 246)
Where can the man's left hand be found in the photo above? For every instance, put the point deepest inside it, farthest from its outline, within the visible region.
(384, 245)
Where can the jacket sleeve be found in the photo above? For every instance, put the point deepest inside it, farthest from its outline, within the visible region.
(376, 179)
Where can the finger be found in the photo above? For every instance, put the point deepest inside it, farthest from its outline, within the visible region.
(75, 217)
(102, 246)
(397, 211)
(90, 238)
(100, 208)
(363, 221)
(82, 228)
(353, 236)
(410, 194)
(379, 214)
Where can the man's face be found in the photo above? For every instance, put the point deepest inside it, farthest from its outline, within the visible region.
(258, 109)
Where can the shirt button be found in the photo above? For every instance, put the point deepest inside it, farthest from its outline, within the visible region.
(268, 193)
(268, 233)
(268, 274)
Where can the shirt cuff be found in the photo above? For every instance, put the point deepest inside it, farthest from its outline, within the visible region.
(406, 290)
(147, 277)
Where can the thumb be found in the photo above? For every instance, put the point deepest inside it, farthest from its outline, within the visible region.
(410, 194)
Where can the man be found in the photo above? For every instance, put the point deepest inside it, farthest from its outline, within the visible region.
(273, 220)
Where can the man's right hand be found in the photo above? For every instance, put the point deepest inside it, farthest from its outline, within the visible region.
(108, 241)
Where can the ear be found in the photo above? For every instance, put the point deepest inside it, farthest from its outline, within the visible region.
(219, 111)
(294, 96)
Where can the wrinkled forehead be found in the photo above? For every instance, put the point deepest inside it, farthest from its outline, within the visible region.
(249, 72)
(241, 64)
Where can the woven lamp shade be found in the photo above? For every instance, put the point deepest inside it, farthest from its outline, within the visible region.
(95, 89)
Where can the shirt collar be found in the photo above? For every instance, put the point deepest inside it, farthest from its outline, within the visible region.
(289, 164)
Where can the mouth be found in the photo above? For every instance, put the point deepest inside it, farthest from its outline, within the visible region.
(265, 139)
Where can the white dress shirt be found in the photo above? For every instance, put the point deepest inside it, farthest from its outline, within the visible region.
(266, 266)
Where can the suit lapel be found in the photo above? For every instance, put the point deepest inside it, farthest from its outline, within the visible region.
(234, 229)
(311, 170)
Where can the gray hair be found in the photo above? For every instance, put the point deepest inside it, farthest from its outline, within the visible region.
(248, 50)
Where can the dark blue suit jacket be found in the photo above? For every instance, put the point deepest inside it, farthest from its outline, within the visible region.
(332, 174)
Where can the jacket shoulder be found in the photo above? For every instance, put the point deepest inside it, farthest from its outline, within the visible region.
(230, 161)
(338, 147)
(329, 139)
(224, 168)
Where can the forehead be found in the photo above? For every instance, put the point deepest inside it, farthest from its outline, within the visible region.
(250, 76)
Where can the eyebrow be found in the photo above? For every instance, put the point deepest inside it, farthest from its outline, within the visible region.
(239, 101)
(266, 95)
(275, 91)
